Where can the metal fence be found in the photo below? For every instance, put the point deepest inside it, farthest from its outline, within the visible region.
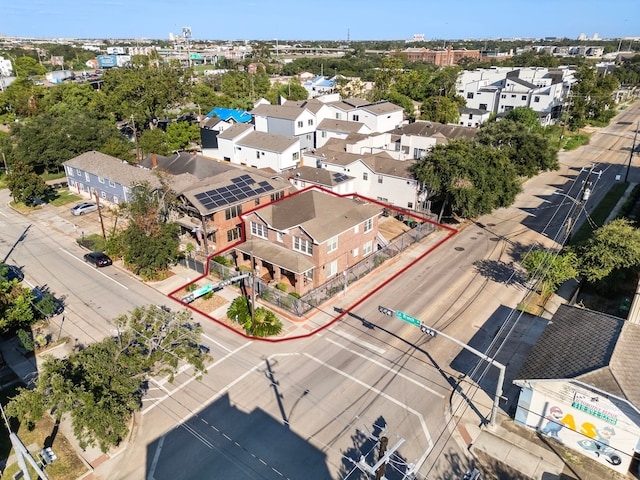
(335, 286)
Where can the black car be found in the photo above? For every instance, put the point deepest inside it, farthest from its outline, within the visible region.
(98, 259)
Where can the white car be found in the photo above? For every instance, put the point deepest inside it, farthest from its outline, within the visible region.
(84, 207)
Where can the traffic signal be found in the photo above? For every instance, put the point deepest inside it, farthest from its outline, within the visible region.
(427, 330)
(387, 311)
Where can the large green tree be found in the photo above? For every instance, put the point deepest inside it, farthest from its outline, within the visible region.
(25, 185)
(550, 269)
(471, 178)
(149, 244)
(529, 149)
(440, 109)
(612, 247)
(47, 140)
(28, 67)
(101, 386)
(145, 92)
(181, 134)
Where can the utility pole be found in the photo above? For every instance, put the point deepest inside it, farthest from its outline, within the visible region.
(104, 235)
(135, 138)
(384, 441)
(633, 148)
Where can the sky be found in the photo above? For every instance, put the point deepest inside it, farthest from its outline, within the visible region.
(337, 20)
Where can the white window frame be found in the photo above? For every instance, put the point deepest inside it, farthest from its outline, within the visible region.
(112, 184)
(356, 229)
(356, 251)
(87, 177)
(332, 268)
(259, 230)
(368, 225)
(367, 248)
(302, 245)
(100, 179)
(279, 237)
(332, 244)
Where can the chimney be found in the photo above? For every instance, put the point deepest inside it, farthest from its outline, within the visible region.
(154, 161)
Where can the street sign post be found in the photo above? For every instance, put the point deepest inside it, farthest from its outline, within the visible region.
(408, 318)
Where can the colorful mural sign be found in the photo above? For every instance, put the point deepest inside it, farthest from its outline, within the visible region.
(588, 423)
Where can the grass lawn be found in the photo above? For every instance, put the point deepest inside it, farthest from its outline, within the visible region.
(571, 142)
(67, 466)
(56, 198)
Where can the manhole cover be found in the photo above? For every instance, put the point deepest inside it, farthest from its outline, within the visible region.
(494, 239)
(491, 224)
(474, 238)
(459, 249)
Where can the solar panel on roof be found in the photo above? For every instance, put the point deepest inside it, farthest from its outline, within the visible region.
(201, 196)
(268, 188)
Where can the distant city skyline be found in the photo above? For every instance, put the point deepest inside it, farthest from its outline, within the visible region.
(328, 20)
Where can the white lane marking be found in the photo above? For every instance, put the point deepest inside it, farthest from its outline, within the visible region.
(216, 343)
(385, 367)
(355, 339)
(425, 430)
(98, 271)
(156, 457)
(183, 385)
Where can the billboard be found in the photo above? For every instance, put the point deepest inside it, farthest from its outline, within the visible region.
(107, 61)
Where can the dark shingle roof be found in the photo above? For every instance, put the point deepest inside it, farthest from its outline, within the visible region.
(288, 112)
(593, 347)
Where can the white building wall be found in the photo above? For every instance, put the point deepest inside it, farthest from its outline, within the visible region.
(400, 192)
(577, 415)
(258, 158)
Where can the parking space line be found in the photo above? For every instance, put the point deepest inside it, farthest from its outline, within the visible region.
(385, 367)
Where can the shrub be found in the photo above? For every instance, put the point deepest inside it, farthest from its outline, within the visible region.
(282, 287)
(294, 294)
(208, 295)
(191, 287)
(222, 260)
(26, 340)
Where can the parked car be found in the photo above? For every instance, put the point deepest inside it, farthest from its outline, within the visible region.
(97, 259)
(84, 207)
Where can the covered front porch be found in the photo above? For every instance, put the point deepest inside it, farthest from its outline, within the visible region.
(276, 264)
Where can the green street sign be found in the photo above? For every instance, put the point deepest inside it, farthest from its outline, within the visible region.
(408, 318)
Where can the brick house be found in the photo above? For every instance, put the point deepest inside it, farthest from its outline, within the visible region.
(440, 58)
(309, 238)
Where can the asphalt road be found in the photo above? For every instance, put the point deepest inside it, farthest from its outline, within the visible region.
(312, 408)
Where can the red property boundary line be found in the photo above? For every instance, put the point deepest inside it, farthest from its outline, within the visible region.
(452, 233)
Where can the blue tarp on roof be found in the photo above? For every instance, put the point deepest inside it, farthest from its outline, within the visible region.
(227, 113)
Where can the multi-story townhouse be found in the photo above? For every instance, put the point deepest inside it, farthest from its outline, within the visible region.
(308, 238)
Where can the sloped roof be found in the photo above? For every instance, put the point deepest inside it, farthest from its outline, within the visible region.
(287, 112)
(474, 111)
(595, 348)
(356, 101)
(276, 254)
(239, 116)
(524, 83)
(321, 215)
(226, 179)
(319, 176)
(184, 162)
(313, 104)
(432, 129)
(235, 130)
(344, 126)
(381, 108)
(267, 141)
(383, 164)
(113, 169)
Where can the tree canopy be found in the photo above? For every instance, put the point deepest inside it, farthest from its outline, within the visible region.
(522, 140)
(471, 178)
(101, 386)
(550, 269)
